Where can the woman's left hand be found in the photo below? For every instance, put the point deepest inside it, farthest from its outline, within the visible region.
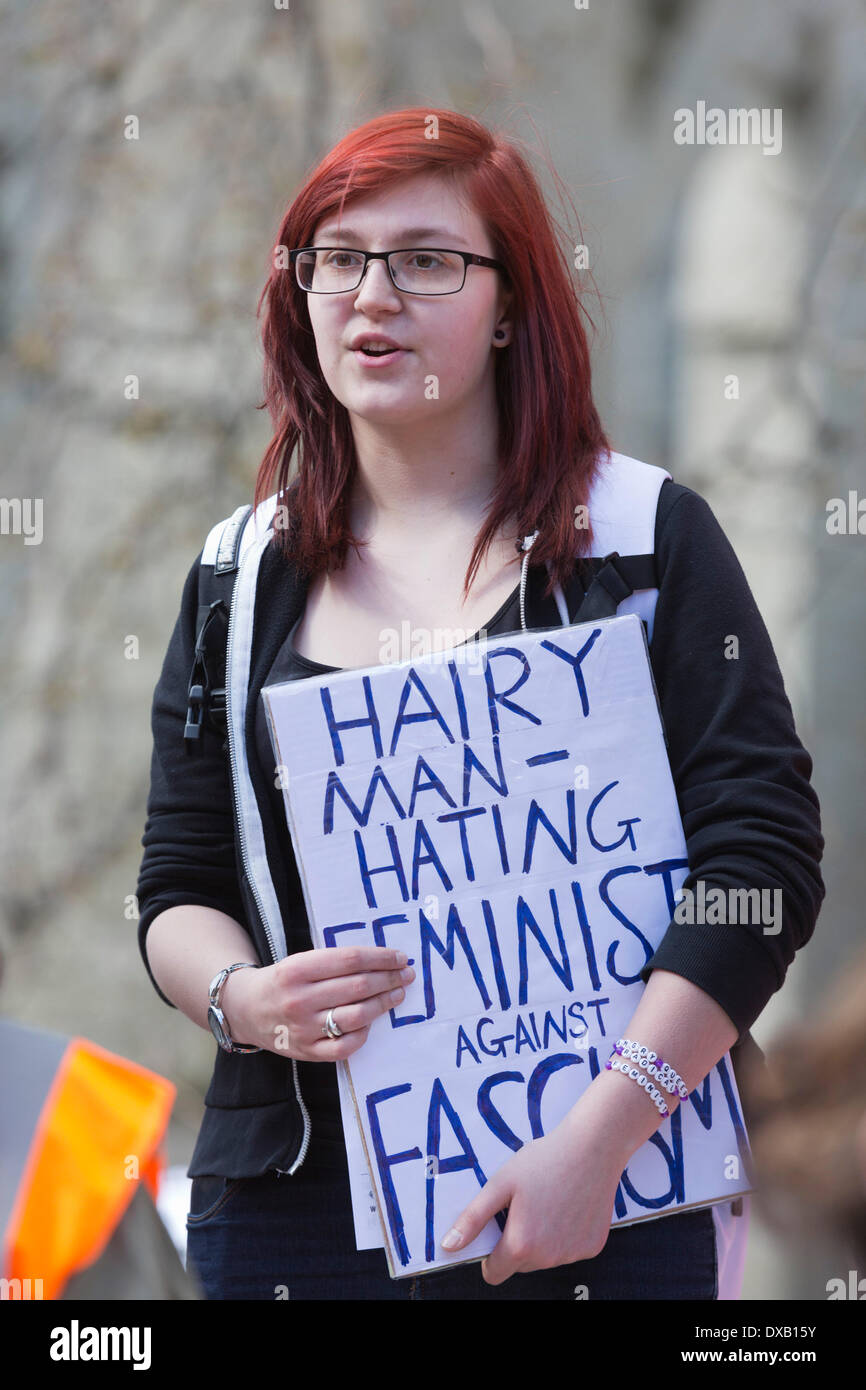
(559, 1191)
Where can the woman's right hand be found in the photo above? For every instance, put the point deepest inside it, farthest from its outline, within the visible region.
(282, 1007)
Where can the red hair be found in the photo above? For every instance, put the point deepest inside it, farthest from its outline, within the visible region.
(551, 439)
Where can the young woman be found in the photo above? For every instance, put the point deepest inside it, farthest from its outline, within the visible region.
(427, 362)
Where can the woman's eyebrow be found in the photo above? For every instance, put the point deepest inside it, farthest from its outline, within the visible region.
(405, 236)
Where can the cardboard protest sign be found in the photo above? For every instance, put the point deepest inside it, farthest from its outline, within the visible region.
(504, 812)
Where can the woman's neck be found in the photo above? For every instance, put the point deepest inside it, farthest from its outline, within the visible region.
(412, 481)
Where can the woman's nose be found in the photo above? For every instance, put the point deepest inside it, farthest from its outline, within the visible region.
(377, 285)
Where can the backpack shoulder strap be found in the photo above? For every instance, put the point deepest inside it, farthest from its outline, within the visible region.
(226, 544)
(217, 572)
(623, 577)
(610, 579)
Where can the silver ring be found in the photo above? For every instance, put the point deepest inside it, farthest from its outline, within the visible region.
(331, 1029)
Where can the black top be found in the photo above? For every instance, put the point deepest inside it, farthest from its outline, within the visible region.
(318, 1080)
(750, 815)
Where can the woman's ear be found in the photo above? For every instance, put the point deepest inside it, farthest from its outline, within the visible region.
(504, 330)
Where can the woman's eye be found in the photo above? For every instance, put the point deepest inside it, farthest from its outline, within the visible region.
(341, 259)
(427, 257)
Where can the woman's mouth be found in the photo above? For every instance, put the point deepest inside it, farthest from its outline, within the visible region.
(378, 357)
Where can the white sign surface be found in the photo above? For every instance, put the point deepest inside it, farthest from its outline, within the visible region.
(504, 812)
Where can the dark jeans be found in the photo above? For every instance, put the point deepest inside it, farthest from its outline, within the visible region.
(277, 1237)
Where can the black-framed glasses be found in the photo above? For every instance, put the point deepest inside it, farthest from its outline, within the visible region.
(414, 270)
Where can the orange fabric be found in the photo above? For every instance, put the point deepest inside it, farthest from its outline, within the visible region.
(151, 1173)
(97, 1136)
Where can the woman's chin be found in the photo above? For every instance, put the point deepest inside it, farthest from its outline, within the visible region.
(374, 408)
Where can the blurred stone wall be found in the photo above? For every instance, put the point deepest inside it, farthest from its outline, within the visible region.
(145, 257)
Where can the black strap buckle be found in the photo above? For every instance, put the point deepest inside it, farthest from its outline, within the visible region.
(202, 700)
(194, 713)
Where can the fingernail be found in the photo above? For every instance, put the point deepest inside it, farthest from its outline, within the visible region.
(401, 958)
(453, 1239)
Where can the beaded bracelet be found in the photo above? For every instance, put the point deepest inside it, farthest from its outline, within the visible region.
(654, 1072)
(655, 1095)
(654, 1064)
(643, 1057)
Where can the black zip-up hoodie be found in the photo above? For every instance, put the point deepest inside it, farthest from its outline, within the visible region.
(750, 815)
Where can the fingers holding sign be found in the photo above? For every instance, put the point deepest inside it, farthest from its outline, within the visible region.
(494, 1197)
(285, 1007)
(559, 1209)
